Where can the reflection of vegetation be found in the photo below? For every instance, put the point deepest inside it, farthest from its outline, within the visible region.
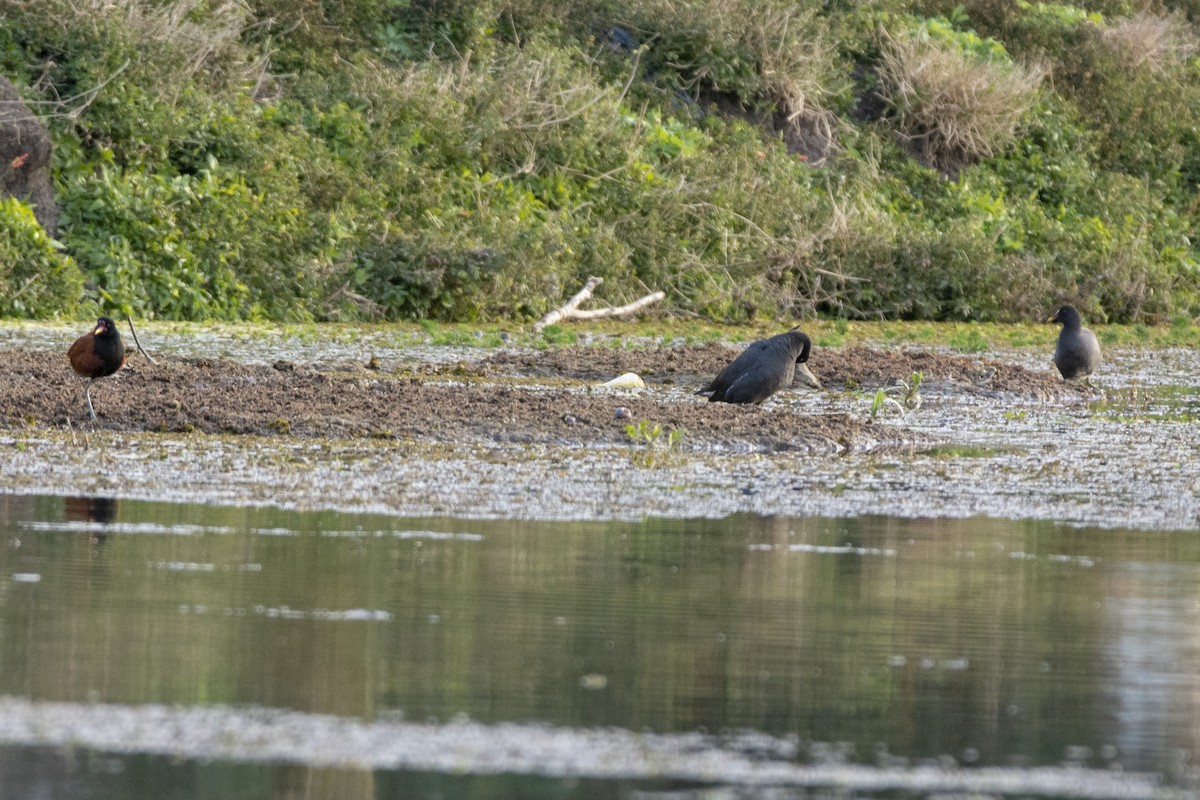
(952, 451)
(659, 445)
(692, 628)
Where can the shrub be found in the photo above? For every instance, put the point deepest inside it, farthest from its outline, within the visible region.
(763, 55)
(952, 104)
(472, 160)
(198, 246)
(1131, 81)
(36, 278)
(1151, 41)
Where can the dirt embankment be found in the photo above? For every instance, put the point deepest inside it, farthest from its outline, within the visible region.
(535, 397)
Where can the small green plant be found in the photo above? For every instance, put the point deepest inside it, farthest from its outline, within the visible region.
(880, 401)
(658, 444)
(909, 392)
(557, 334)
(912, 391)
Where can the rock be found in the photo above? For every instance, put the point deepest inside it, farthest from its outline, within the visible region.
(629, 380)
(25, 148)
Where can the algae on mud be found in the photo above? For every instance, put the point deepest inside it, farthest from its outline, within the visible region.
(386, 422)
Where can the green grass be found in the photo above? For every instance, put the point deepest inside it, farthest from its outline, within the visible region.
(659, 332)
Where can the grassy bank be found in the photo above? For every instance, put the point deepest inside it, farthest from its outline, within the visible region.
(296, 160)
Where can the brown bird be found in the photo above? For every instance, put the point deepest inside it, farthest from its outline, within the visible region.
(97, 355)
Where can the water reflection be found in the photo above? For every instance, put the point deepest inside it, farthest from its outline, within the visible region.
(870, 641)
(101, 510)
(98, 510)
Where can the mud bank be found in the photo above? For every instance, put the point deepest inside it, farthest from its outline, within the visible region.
(410, 429)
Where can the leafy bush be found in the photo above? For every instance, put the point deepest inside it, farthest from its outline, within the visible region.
(289, 159)
(36, 278)
(197, 246)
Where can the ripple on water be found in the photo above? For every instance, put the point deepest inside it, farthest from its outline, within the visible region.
(466, 747)
(157, 529)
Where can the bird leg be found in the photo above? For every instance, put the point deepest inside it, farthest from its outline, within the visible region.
(87, 395)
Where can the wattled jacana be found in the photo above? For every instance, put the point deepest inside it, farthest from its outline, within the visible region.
(97, 355)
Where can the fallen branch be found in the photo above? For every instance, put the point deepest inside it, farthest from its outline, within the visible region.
(620, 311)
(570, 309)
(141, 350)
(364, 304)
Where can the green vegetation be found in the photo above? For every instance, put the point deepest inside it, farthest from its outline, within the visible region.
(969, 341)
(879, 401)
(909, 392)
(657, 445)
(461, 161)
(36, 278)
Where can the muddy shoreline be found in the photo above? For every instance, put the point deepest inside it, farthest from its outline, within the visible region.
(544, 397)
(421, 431)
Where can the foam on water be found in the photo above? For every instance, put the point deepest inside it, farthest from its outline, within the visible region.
(317, 740)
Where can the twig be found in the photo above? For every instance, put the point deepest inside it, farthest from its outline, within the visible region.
(88, 97)
(139, 344)
(570, 309)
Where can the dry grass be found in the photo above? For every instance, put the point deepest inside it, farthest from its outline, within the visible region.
(1152, 41)
(182, 39)
(953, 109)
(792, 67)
(758, 50)
(517, 106)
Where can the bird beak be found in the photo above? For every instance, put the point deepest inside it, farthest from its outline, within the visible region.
(1053, 318)
(99, 330)
(806, 377)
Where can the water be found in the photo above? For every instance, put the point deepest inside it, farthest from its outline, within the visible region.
(178, 651)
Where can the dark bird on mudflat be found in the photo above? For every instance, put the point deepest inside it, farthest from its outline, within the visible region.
(763, 368)
(1077, 353)
(97, 355)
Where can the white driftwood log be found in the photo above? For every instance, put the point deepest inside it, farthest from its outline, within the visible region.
(570, 309)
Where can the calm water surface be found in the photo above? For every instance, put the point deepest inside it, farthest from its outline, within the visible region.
(171, 651)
